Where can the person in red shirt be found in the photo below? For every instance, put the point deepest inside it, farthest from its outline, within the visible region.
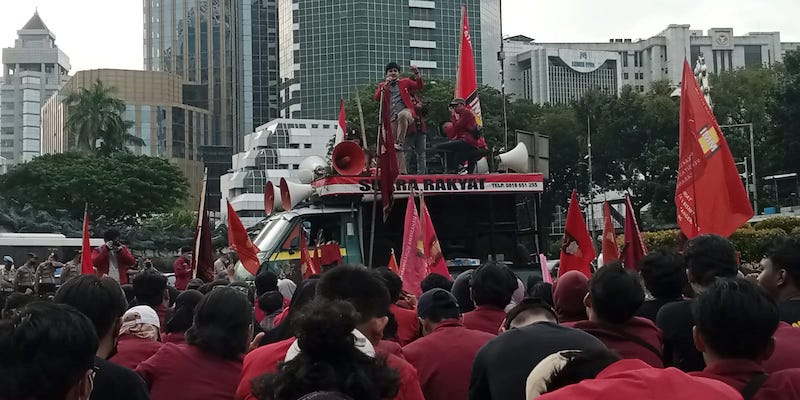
(787, 349)
(368, 294)
(568, 293)
(734, 326)
(180, 320)
(150, 289)
(331, 355)
(138, 337)
(780, 277)
(401, 104)
(443, 357)
(614, 296)
(210, 363)
(407, 322)
(183, 268)
(492, 285)
(462, 130)
(112, 259)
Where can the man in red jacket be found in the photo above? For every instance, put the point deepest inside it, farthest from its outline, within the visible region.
(183, 268)
(370, 298)
(399, 92)
(407, 322)
(444, 356)
(492, 285)
(462, 130)
(112, 259)
(614, 296)
(734, 328)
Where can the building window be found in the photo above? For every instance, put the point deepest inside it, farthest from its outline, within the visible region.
(307, 146)
(283, 166)
(326, 126)
(294, 145)
(624, 55)
(625, 75)
(295, 166)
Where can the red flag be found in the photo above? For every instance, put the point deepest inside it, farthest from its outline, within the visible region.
(577, 251)
(203, 260)
(610, 249)
(433, 252)
(709, 195)
(634, 249)
(308, 265)
(86, 247)
(239, 242)
(393, 263)
(466, 77)
(545, 269)
(388, 155)
(412, 260)
(342, 133)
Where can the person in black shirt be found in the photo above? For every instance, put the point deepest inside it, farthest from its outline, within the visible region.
(708, 257)
(780, 277)
(102, 300)
(502, 365)
(664, 276)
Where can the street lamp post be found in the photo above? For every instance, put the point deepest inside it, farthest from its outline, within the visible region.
(591, 182)
(752, 161)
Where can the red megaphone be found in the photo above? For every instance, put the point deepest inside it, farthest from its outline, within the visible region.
(348, 158)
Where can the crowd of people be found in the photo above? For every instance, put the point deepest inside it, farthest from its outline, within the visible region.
(682, 325)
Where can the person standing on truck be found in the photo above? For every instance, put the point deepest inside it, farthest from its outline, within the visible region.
(72, 268)
(113, 259)
(402, 108)
(46, 276)
(26, 275)
(462, 130)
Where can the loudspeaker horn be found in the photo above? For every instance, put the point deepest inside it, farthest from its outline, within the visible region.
(272, 203)
(293, 193)
(516, 159)
(348, 158)
(311, 168)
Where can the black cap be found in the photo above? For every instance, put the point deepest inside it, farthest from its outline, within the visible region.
(391, 65)
(436, 299)
(457, 101)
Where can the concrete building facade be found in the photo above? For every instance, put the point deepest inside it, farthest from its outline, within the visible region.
(274, 151)
(32, 70)
(169, 127)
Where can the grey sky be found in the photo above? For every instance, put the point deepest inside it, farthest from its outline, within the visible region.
(108, 33)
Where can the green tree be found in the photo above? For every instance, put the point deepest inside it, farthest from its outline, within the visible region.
(94, 114)
(121, 187)
(783, 143)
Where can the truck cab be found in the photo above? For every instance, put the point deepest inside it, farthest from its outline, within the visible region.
(477, 218)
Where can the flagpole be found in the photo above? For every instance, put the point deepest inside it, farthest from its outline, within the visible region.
(199, 226)
(361, 120)
(375, 181)
(591, 183)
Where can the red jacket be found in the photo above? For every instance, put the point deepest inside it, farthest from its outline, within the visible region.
(407, 86)
(124, 261)
(463, 128)
(639, 327)
(634, 379)
(132, 350)
(787, 349)
(174, 337)
(183, 273)
(390, 347)
(186, 372)
(407, 324)
(782, 385)
(443, 359)
(265, 359)
(485, 319)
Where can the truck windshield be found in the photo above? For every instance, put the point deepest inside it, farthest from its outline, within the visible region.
(267, 241)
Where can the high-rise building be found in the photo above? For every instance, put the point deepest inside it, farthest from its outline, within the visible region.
(169, 127)
(330, 49)
(32, 70)
(642, 61)
(259, 88)
(200, 41)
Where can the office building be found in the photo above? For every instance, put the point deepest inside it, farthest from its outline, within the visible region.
(330, 49)
(645, 61)
(169, 127)
(32, 70)
(200, 41)
(274, 151)
(259, 66)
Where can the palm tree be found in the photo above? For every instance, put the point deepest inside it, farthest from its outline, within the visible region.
(96, 114)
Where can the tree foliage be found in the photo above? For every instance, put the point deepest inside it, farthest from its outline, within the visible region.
(119, 188)
(95, 114)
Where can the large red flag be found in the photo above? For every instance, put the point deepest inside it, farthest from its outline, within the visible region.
(388, 155)
(466, 77)
(634, 249)
(203, 261)
(308, 265)
(709, 196)
(342, 133)
(413, 267)
(86, 247)
(393, 263)
(610, 249)
(577, 251)
(433, 252)
(240, 242)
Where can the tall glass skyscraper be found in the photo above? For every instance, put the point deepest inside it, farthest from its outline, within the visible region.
(329, 49)
(259, 63)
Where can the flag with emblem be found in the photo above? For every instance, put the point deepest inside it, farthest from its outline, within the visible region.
(577, 250)
(413, 267)
(610, 249)
(466, 77)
